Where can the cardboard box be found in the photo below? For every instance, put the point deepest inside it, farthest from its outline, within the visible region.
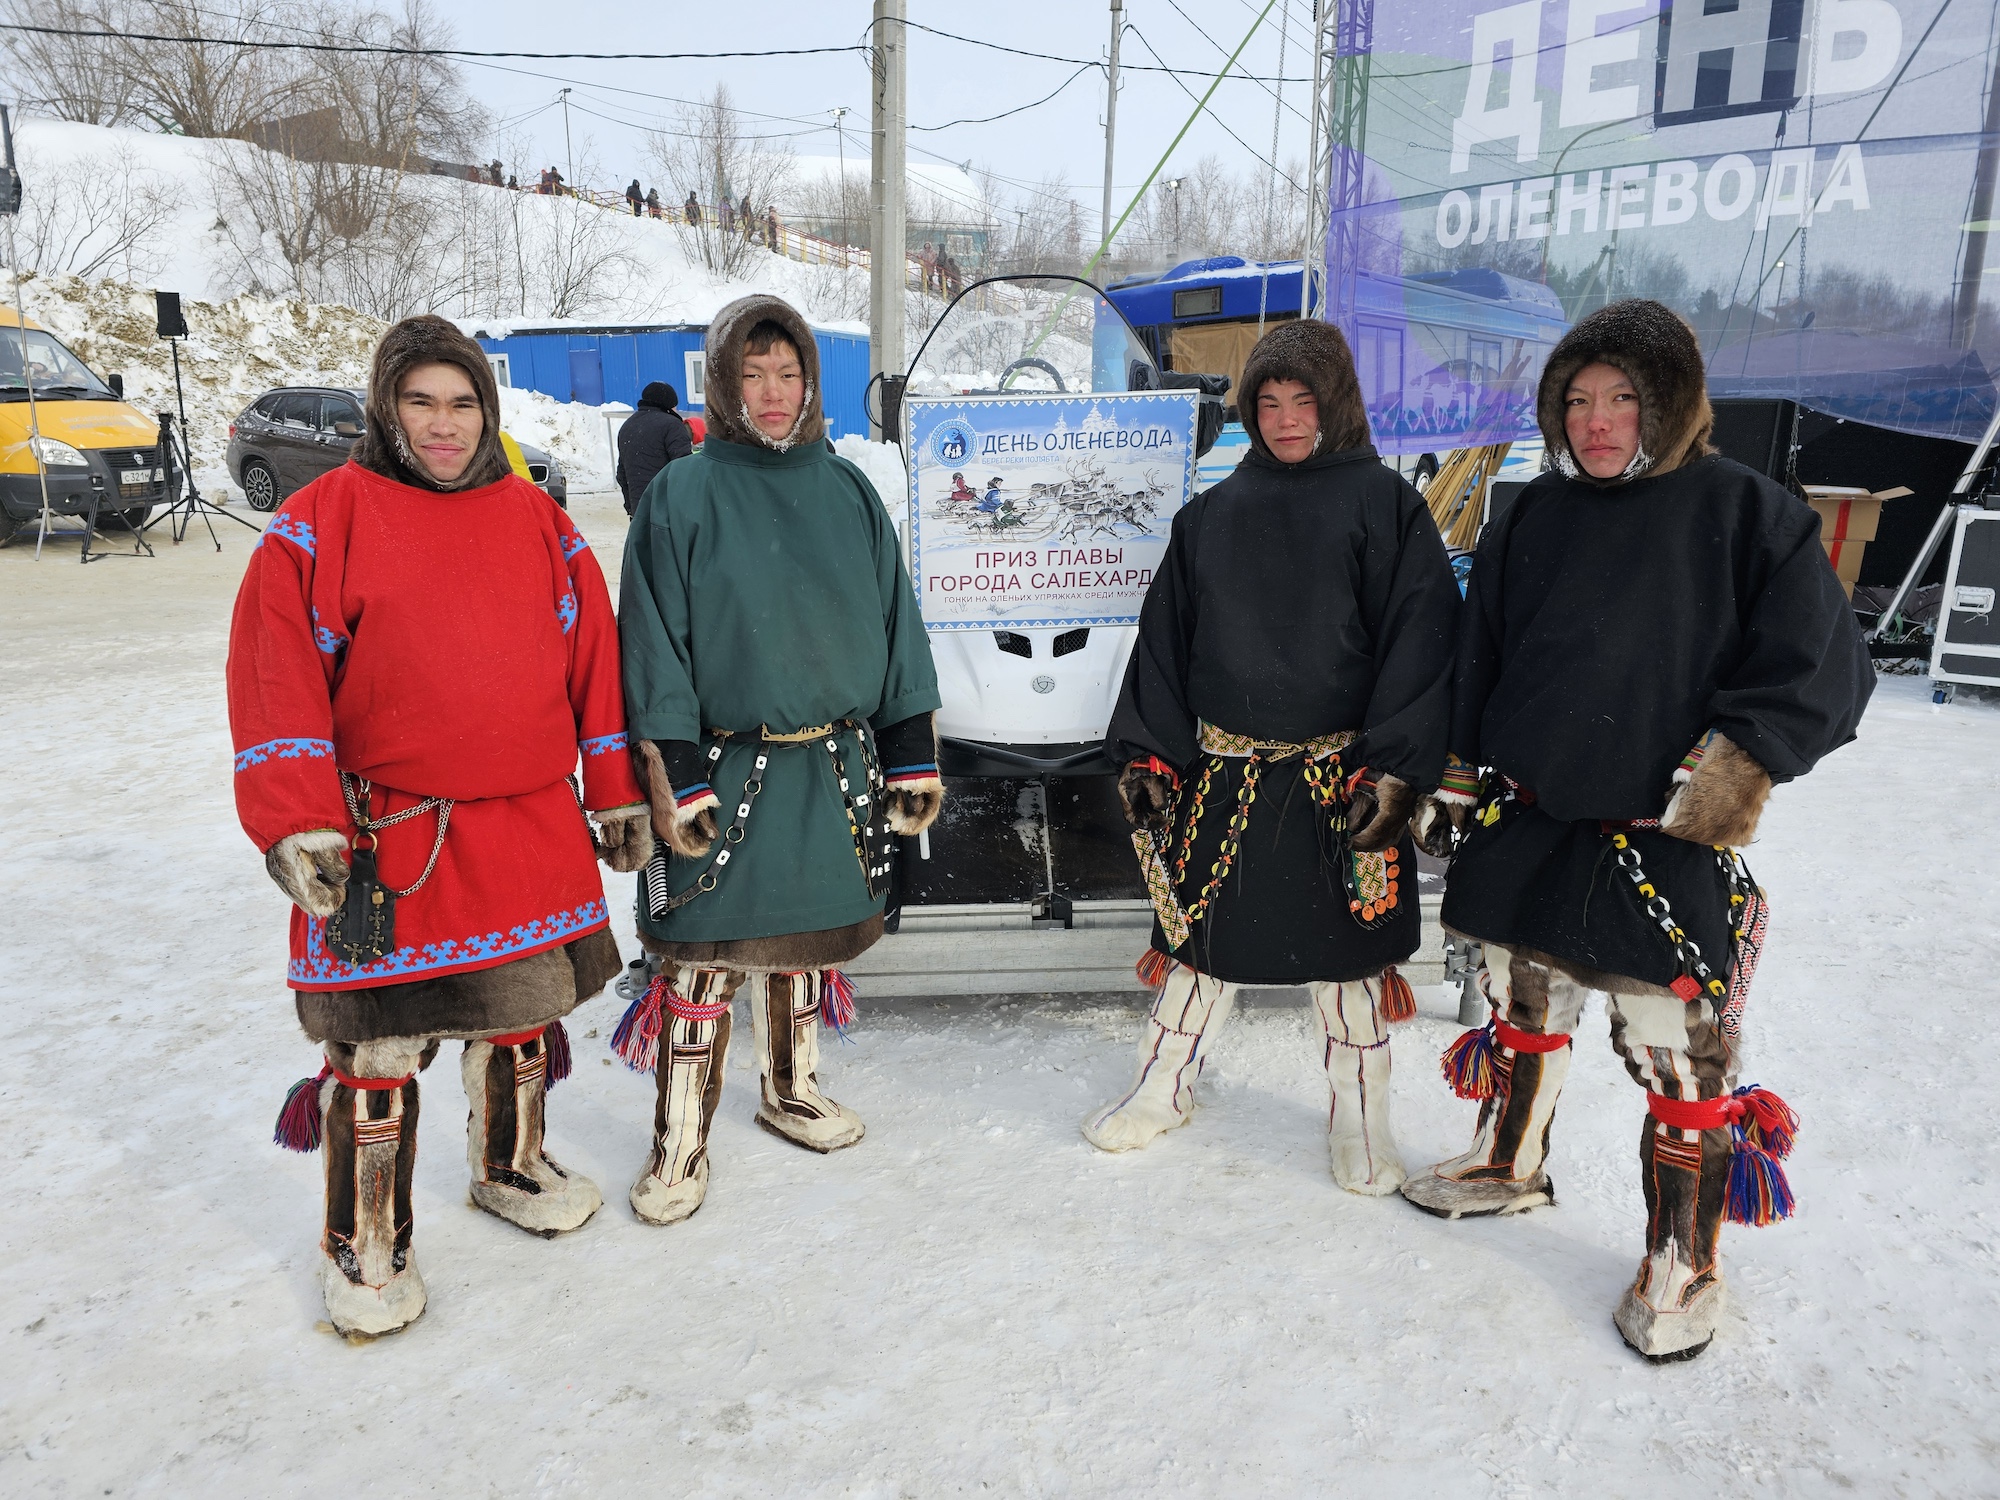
(1848, 520)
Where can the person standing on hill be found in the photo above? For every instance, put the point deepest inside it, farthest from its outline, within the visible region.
(1652, 637)
(633, 197)
(650, 439)
(422, 652)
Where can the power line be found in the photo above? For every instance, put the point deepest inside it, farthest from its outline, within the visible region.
(389, 51)
(973, 41)
(1018, 109)
(1176, 4)
(1201, 107)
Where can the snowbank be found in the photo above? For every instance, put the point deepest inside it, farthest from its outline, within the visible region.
(883, 464)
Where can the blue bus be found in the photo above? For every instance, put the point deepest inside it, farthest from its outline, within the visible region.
(1446, 359)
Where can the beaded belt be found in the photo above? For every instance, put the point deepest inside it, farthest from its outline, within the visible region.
(1371, 881)
(1242, 746)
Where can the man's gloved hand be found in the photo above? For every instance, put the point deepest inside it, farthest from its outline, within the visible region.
(1439, 821)
(625, 837)
(311, 868)
(1378, 809)
(908, 753)
(1719, 794)
(683, 804)
(1146, 790)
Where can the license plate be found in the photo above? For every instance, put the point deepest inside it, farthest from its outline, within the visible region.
(137, 476)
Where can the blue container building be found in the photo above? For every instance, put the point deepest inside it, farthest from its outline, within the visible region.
(609, 362)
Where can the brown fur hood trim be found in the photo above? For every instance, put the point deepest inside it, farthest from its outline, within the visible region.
(1316, 355)
(427, 340)
(727, 418)
(1660, 355)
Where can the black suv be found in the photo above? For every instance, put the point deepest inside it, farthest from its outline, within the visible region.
(287, 438)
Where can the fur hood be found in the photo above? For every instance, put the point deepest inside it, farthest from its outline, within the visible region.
(728, 418)
(427, 340)
(1660, 355)
(1316, 355)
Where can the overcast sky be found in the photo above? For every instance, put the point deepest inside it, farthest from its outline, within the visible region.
(614, 103)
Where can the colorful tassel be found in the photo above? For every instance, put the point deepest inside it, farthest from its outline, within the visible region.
(1767, 1122)
(555, 1043)
(1758, 1193)
(836, 1002)
(1153, 968)
(637, 1039)
(1399, 1001)
(299, 1120)
(1467, 1064)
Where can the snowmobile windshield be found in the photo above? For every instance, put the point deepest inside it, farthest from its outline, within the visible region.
(1030, 336)
(37, 355)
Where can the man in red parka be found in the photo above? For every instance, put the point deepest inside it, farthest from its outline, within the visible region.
(423, 649)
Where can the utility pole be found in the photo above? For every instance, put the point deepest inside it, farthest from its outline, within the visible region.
(839, 113)
(888, 269)
(1110, 123)
(569, 151)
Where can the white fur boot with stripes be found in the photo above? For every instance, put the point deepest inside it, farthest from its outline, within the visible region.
(1355, 1037)
(1173, 1043)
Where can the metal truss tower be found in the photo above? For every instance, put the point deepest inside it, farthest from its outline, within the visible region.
(1343, 41)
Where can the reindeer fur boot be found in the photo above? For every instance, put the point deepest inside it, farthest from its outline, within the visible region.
(506, 1081)
(1356, 1055)
(786, 1010)
(693, 1049)
(1189, 1010)
(1671, 1309)
(368, 1102)
(1527, 1056)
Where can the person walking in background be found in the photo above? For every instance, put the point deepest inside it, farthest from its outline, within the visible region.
(771, 236)
(653, 203)
(725, 215)
(650, 439)
(927, 266)
(691, 211)
(634, 197)
(749, 218)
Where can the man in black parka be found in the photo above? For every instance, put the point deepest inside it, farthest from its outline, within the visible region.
(1652, 637)
(650, 439)
(1286, 699)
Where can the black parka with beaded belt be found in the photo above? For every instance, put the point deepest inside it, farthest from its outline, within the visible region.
(1294, 601)
(1607, 628)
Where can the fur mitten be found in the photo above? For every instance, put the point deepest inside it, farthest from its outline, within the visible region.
(1146, 791)
(1441, 816)
(684, 819)
(311, 868)
(908, 753)
(1719, 794)
(624, 837)
(1378, 810)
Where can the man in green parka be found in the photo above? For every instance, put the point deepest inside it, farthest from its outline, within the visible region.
(780, 697)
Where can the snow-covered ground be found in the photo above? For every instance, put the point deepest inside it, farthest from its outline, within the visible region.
(972, 1300)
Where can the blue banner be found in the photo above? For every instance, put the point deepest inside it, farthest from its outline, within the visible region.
(1809, 182)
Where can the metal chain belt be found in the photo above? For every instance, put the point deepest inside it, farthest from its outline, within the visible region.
(356, 791)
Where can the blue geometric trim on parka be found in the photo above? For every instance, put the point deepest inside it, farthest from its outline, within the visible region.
(298, 533)
(322, 967)
(604, 744)
(256, 755)
(566, 610)
(329, 641)
(573, 544)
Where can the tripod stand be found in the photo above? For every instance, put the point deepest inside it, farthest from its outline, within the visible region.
(183, 508)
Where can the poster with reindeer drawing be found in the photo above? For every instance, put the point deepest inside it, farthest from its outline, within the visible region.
(1043, 509)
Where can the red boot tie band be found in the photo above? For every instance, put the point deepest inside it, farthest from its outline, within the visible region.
(1762, 1129)
(517, 1038)
(367, 1083)
(1527, 1041)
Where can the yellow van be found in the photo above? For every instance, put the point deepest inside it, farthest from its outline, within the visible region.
(94, 445)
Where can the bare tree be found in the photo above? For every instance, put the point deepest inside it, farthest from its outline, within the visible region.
(709, 155)
(72, 78)
(107, 218)
(209, 88)
(394, 106)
